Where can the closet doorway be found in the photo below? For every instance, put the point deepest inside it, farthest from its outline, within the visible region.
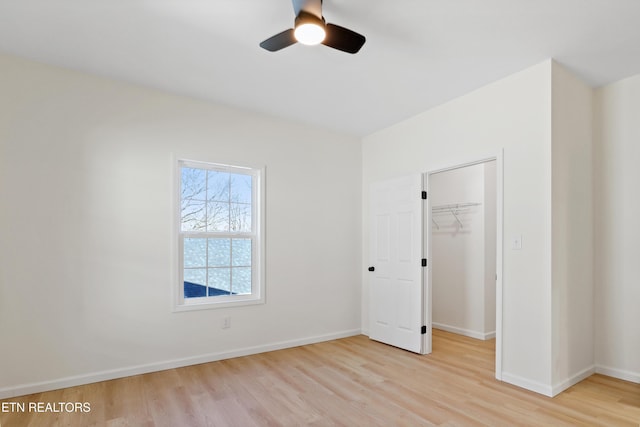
(464, 227)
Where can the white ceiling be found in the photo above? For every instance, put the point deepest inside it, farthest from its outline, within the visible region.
(418, 54)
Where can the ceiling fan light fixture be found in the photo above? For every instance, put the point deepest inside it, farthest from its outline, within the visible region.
(309, 34)
(309, 29)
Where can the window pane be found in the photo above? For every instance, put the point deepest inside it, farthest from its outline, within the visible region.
(191, 290)
(240, 214)
(241, 280)
(217, 216)
(195, 253)
(241, 253)
(219, 252)
(195, 275)
(218, 186)
(240, 188)
(219, 281)
(193, 215)
(193, 183)
(194, 282)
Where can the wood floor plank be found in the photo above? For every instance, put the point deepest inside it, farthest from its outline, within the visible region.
(348, 382)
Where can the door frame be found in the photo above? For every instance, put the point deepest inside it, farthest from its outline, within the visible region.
(427, 280)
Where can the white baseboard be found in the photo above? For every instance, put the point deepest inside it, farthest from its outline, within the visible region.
(573, 380)
(620, 374)
(545, 389)
(466, 332)
(24, 389)
(527, 384)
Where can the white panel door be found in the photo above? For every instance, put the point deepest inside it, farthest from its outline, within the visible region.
(396, 273)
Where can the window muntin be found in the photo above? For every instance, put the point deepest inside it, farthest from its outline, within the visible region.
(219, 234)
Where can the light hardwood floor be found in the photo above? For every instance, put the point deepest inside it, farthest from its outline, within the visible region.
(347, 382)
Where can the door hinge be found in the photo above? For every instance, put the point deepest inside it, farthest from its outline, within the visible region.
(424, 262)
(423, 330)
(424, 195)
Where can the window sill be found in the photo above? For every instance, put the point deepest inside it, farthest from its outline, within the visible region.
(221, 302)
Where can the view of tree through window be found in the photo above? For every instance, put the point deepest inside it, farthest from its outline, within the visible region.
(216, 229)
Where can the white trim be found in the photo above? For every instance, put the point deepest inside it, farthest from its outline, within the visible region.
(204, 303)
(198, 164)
(174, 250)
(25, 389)
(499, 159)
(573, 380)
(465, 332)
(464, 164)
(499, 259)
(620, 374)
(527, 384)
(544, 389)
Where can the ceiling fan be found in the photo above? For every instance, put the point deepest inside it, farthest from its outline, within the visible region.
(311, 29)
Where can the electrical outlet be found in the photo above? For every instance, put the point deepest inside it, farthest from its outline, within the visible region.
(226, 322)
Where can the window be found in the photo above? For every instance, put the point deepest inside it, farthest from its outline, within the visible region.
(219, 235)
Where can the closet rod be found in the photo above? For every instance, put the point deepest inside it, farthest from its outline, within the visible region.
(456, 206)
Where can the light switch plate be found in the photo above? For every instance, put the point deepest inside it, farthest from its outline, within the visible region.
(516, 242)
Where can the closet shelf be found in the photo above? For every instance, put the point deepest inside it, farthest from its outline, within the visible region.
(454, 209)
(453, 206)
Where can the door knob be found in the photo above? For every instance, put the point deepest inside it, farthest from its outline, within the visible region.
(372, 269)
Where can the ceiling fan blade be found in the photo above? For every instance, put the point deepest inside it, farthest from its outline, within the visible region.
(279, 41)
(310, 6)
(343, 39)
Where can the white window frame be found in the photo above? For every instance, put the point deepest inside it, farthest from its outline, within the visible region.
(257, 295)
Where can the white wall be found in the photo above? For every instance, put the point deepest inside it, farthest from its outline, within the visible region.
(572, 229)
(514, 115)
(617, 229)
(86, 257)
(459, 285)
